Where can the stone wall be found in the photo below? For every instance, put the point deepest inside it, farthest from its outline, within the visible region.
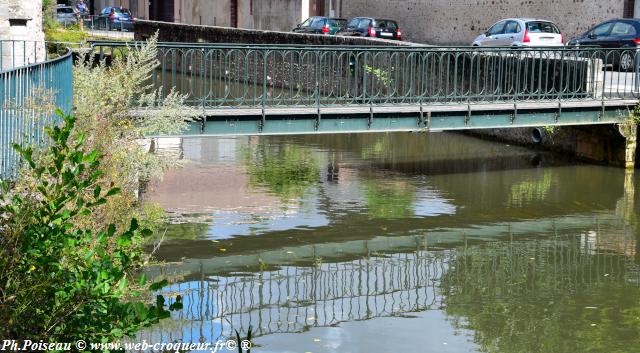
(21, 21)
(460, 21)
(594, 143)
(176, 32)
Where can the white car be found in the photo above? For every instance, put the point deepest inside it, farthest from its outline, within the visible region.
(517, 32)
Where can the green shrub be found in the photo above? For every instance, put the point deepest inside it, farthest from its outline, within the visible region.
(60, 281)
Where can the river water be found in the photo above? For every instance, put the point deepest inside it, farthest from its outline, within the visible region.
(400, 242)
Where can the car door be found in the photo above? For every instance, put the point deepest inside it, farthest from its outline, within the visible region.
(510, 35)
(597, 35)
(386, 29)
(491, 36)
(622, 34)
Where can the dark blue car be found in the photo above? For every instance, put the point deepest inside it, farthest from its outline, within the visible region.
(617, 33)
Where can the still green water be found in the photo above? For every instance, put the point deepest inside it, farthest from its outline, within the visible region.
(398, 243)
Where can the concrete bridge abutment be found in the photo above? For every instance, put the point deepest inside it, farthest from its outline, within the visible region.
(602, 144)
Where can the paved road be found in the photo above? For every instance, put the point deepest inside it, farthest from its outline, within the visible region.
(623, 83)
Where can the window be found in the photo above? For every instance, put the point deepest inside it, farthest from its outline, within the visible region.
(364, 23)
(601, 30)
(337, 23)
(354, 23)
(623, 29)
(384, 24)
(628, 8)
(307, 22)
(496, 28)
(512, 27)
(317, 23)
(542, 27)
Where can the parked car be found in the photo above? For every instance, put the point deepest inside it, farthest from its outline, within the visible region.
(321, 25)
(67, 15)
(118, 18)
(517, 32)
(372, 27)
(616, 33)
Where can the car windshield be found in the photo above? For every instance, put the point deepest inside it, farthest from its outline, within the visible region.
(542, 27)
(335, 22)
(306, 23)
(386, 24)
(65, 10)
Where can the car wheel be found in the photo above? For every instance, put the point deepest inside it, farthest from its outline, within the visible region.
(626, 62)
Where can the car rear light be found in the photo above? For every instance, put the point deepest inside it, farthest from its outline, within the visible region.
(325, 29)
(526, 37)
(561, 38)
(636, 41)
(372, 31)
(399, 33)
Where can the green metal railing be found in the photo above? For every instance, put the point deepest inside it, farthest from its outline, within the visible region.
(254, 76)
(23, 90)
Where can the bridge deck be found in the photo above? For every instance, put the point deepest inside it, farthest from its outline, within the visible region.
(414, 108)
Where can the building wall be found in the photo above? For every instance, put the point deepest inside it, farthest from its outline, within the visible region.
(21, 21)
(277, 15)
(460, 21)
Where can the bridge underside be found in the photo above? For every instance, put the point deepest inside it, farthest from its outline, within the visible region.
(283, 121)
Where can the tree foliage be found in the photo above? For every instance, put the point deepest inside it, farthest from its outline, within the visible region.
(60, 281)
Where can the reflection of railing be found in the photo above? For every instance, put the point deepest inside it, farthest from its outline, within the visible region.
(293, 299)
(25, 91)
(281, 76)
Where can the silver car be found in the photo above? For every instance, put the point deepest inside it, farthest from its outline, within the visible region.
(519, 32)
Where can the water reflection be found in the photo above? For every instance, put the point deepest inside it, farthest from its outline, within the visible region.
(336, 238)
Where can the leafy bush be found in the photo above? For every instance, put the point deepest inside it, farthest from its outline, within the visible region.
(60, 281)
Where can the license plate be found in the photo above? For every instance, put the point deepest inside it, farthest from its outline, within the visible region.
(386, 34)
(546, 39)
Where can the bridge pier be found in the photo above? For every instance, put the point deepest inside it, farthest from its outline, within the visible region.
(629, 131)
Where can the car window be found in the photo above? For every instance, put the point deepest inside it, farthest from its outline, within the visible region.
(623, 29)
(317, 23)
(601, 30)
(65, 10)
(306, 23)
(354, 23)
(496, 28)
(337, 23)
(542, 27)
(364, 23)
(511, 27)
(385, 24)
(106, 10)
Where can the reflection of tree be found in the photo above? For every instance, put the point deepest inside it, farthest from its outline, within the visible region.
(543, 296)
(526, 191)
(389, 199)
(184, 231)
(286, 170)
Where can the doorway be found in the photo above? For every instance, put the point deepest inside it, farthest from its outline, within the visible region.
(629, 9)
(316, 8)
(160, 10)
(233, 4)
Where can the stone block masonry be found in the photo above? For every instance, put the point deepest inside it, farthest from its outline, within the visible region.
(177, 32)
(21, 35)
(460, 21)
